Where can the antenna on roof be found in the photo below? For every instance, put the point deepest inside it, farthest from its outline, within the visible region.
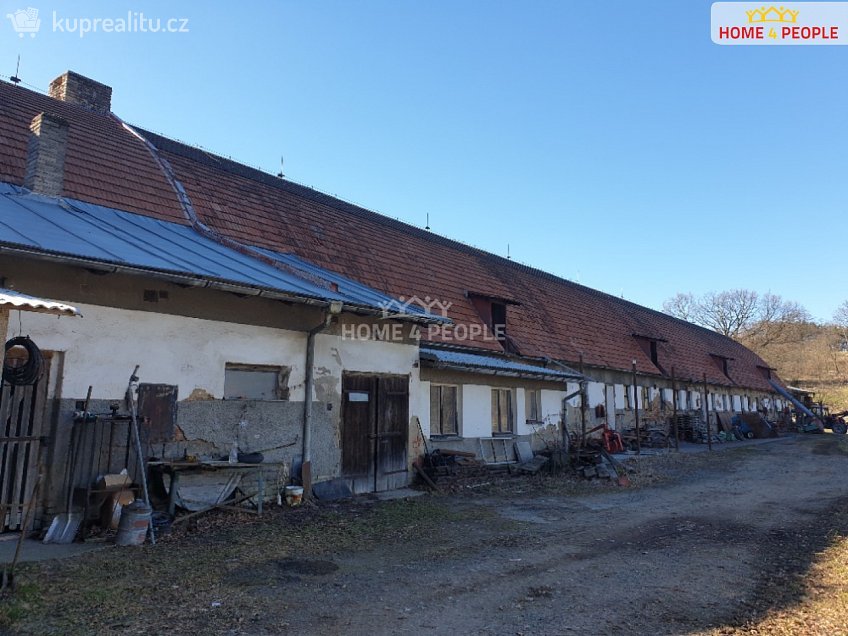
(282, 161)
(15, 79)
(427, 227)
(508, 257)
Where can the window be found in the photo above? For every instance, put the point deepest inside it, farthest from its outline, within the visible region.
(654, 356)
(627, 404)
(690, 400)
(533, 405)
(255, 382)
(499, 320)
(444, 409)
(503, 415)
(646, 398)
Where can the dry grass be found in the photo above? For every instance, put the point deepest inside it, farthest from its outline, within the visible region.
(822, 609)
(114, 591)
(835, 396)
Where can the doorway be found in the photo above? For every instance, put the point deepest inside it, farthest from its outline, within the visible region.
(375, 430)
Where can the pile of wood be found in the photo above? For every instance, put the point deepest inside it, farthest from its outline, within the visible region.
(451, 470)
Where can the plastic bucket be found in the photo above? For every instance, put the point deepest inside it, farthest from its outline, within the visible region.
(132, 529)
(294, 495)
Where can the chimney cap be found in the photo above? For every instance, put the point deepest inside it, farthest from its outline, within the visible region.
(51, 117)
(83, 91)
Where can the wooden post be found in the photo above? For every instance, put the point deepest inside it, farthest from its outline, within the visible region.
(636, 411)
(582, 405)
(674, 410)
(707, 415)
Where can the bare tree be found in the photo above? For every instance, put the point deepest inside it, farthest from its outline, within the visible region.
(681, 306)
(775, 323)
(840, 317)
(742, 314)
(729, 312)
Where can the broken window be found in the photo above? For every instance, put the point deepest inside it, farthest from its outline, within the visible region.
(444, 410)
(499, 320)
(503, 414)
(255, 382)
(533, 405)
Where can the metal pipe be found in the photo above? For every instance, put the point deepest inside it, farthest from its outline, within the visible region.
(674, 410)
(707, 415)
(309, 380)
(636, 411)
(582, 404)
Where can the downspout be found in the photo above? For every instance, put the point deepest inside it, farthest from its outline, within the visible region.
(308, 384)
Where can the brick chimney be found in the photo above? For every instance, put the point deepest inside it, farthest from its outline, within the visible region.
(77, 89)
(45, 165)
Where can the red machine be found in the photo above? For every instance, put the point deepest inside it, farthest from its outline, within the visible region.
(612, 441)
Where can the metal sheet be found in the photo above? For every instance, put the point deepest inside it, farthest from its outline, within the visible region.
(67, 227)
(478, 362)
(16, 300)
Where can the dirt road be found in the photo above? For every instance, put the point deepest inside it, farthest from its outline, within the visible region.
(728, 538)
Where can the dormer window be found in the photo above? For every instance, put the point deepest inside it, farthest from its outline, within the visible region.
(493, 312)
(722, 364)
(499, 320)
(650, 346)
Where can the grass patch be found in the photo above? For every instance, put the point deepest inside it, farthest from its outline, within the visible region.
(822, 608)
(16, 605)
(175, 583)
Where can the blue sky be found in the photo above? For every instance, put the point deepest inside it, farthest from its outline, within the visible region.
(608, 142)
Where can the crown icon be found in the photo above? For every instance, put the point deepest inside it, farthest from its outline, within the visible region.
(772, 14)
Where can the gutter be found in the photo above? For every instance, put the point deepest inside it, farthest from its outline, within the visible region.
(309, 382)
(201, 283)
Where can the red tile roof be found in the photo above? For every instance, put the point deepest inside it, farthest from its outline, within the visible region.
(104, 164)
(555, 318)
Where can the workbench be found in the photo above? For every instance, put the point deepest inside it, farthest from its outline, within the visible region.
(175, 468)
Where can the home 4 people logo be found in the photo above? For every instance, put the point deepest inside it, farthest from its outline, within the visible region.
(754, 23)
(25, 21)
(432, 306)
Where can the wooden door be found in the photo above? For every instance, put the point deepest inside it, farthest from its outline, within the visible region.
(392, 433)
(21, 430)
(359, 409)
(375, 423)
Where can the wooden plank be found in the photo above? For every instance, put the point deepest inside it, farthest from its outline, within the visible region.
(22, 419)
(157, 411)
(358, 416)
(392, 432)
(449, 410)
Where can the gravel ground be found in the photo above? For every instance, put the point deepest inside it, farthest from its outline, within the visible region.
(720, 543)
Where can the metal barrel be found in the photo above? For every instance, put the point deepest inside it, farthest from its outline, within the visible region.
(132, 529)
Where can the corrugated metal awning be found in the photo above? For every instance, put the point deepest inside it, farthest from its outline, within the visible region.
(493, 365)
(69, 229)
(10, 299)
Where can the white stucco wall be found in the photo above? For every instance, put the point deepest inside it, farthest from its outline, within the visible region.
(477, 410)
(521, 427)
(552, 405)
(422, 406)
(594, 394)
(102, 348)
(619, 396)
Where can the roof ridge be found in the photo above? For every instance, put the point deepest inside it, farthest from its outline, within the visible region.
(233, 166)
